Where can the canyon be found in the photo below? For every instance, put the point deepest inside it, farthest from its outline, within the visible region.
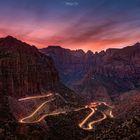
(68, 84)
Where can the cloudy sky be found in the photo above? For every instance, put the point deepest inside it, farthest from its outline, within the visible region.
(74, 24)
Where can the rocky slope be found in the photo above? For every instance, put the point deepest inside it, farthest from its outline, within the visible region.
(113, 76)
(101, 75)
(120, 63)
(110, 129)
(115, 71)
(71, 64)
(127, 105)
(24, 71)
(65, 127)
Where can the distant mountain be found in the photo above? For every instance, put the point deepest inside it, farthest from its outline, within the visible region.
(121, 63)
(99, 76)
(115, 71)
(71, 64)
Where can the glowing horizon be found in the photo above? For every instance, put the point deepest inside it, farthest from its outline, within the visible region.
(74, 24)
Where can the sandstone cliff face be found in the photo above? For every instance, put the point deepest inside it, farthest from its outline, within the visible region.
(115, 71)
(100, 75)
(72, 65)
(23, 69)
(120, 63)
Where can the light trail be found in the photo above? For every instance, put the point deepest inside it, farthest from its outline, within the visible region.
(40, 117)
(23, 120)
(93, 107)
(35, 97)
(78, 109)
(106, 104)
(52, 114)
(111, 114)
(86, 119)
(90, 125)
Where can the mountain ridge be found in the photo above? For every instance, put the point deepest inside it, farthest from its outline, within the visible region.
(109, 72)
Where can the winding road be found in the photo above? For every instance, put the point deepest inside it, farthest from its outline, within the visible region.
(94, 109)
(87, 123)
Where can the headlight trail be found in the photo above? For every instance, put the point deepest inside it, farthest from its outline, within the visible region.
(51, 114)
(111, 114)
(23, 120)
(35, 97)
(94, 109)
(35, 113)
(86, 119)
(78, 109)
(37, 116)
(90, 125)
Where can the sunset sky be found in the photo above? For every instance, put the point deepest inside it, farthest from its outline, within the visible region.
(74, 24)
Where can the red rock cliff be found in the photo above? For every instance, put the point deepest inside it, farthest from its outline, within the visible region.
(23, 69)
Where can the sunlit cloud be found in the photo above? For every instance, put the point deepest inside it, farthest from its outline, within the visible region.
(75, 24)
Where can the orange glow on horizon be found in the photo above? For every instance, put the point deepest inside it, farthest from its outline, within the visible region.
(93, 45)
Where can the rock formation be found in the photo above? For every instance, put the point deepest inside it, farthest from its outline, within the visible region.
(71, 64)
(105, 74)
(24, 71)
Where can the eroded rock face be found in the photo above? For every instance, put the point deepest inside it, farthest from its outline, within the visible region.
(103, 74)
(23, 69)
(120, 63)
(117, 70)
(117, 63)
(71, 64)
